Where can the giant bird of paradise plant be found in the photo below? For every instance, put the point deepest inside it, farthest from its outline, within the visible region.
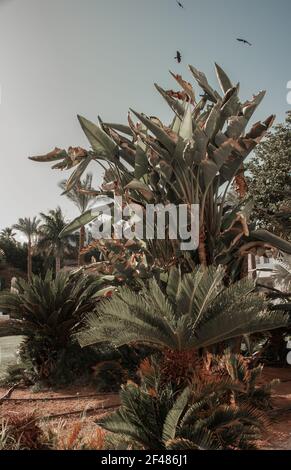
(193, 160)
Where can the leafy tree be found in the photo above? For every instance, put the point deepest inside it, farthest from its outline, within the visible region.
(29, 227)
(16, 256)
(50, 242)
(270, 181)
(7, 234)
(81, 196)
(15, 253)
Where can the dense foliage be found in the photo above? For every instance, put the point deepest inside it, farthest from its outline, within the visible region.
(193, 160)
(47, 311)
(186, 312)
(270, 181)
(203, 416)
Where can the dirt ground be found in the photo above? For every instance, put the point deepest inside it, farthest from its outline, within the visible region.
(74, 405)
(279, 436)
(61, 412)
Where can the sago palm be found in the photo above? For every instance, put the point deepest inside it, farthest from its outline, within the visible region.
(46, 311)
(29, 227)
(189, 312)
(200, 418)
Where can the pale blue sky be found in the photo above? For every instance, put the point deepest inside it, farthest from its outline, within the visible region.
(63, 57)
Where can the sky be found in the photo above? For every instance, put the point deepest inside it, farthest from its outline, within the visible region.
(60, 58)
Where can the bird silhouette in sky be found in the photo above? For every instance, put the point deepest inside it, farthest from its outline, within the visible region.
(244, 41)
(178, 57)
(180, 4)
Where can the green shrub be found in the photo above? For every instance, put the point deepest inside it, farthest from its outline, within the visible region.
(201, 417)
(47, 311)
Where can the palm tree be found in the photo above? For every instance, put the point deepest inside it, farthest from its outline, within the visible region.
(189, 312)
(8, 234)
(49, 241)
(29, 227)
(80, 195)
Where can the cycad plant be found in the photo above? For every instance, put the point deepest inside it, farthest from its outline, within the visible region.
(47, 311)
(187, 312)
(192, 160)
(201, 417)
(250, 388)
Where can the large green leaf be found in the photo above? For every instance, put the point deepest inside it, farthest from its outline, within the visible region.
(99, 140)
(119, 127)
(223, 79)
(141, 163)
(271, 239)
(174, 104)
(76, 175)
(79, 222)
(186, 128)
(88, 216)
(142, 188)
(158, 132)
(201, 79)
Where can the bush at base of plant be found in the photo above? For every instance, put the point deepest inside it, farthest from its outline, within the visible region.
(215, 411)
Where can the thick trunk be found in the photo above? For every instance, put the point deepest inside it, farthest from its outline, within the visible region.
(58, 263)
(81, 257)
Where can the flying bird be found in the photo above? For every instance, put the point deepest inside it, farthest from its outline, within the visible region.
(244, 41)
(178, 57)
(180, 4)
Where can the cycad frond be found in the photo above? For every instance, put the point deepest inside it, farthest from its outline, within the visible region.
(53, 305)
(204, 313)
(155, 419)
(174, 416)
